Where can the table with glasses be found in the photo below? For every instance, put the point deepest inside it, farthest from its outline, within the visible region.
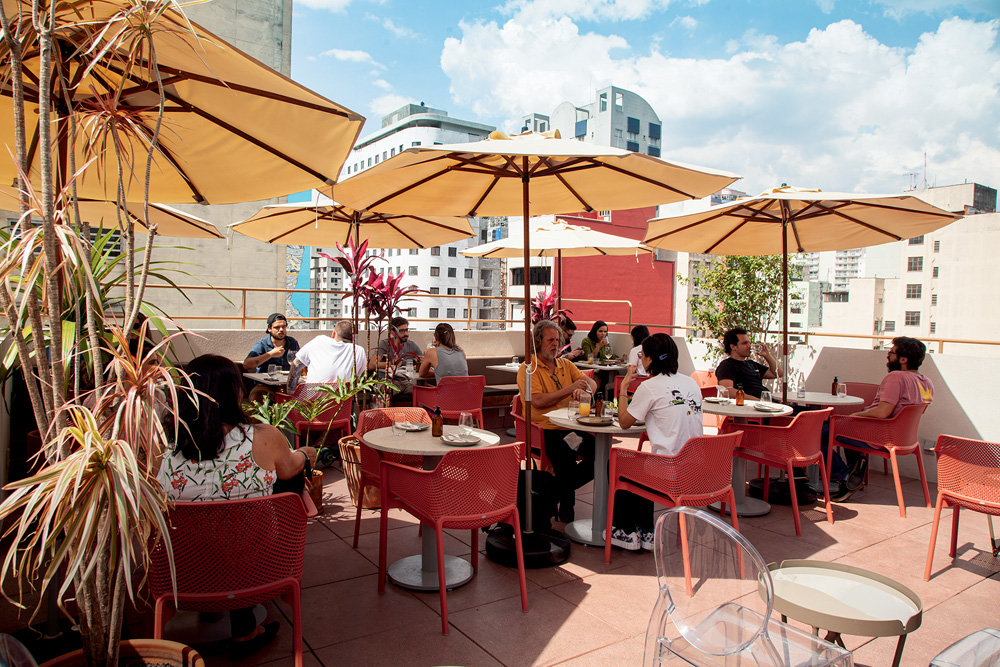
(589, 531)
(823, 399)
(617, 367)
(420, 572)
(745, 505)
(279, 379)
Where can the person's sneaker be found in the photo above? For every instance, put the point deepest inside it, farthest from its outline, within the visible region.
(646, 539)
(856, 479)
(842, 493)
(623, 540)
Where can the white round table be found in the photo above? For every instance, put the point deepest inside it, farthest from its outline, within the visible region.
(745, 505)
(821, 398)
(588, 531)
(420, 572)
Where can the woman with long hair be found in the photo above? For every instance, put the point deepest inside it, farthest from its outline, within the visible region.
(639, 333)
(597, 343)
(220, 454)
(670, 404)
(444, 358)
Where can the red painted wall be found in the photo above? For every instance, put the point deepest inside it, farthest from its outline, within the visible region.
(648, 284)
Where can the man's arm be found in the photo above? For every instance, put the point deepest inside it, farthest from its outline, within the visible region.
(294, 374)
(773, 371)
(252, 361)
(881, 411)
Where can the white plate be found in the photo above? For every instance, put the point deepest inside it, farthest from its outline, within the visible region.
(410, 426)
(715, 399)
(767, 407)
(459, 440)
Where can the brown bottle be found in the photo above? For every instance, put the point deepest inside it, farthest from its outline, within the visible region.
(739, 395)
(437, 422)
(835, 387)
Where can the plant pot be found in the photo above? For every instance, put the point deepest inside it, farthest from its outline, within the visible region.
(138, 652)
(350, 457)
(315, 487)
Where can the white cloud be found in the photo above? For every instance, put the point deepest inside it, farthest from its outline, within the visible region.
(825, 6)
(353, 57)
(587, 10)
(336, 6)
(385, 104)
(388, 24)
(686, 22)
(900, 8)
(838, 110)
(382, 84)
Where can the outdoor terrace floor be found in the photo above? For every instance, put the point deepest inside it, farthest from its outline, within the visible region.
(588, 613)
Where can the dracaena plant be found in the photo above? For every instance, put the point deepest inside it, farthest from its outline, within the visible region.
(543, 307)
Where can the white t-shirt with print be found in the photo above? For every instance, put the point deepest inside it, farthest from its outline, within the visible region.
(633, 360)
(671, 407)
(329, 360)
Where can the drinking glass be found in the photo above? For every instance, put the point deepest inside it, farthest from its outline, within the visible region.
(765, 396)
(272, 371)
(842, 390)
(514, 361)
(465, 423)
(398, 425)
(722, 392)
(574, 407)
(585, 408)
(290, 355)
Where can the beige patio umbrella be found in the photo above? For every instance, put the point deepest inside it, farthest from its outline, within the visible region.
(234, 130)
(327, 224)
(167, 220)
(511, 175)
(812, 220)
(551, 237)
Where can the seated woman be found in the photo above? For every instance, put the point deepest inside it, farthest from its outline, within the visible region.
(670, 404)
(639, 333)
(444, 358)
(219, 454)
(597, 344)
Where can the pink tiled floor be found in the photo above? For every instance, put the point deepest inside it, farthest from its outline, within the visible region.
(588, 613)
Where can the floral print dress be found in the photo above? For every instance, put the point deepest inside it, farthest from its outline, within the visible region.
(233, 474)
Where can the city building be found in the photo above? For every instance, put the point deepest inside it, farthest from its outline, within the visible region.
(463, 287)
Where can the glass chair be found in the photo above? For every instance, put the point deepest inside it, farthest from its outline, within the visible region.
(715, 602)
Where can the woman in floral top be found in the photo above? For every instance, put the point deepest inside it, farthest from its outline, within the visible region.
(220, 455)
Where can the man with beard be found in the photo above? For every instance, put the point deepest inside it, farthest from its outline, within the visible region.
(395, 350)
(272, 348)
(554, 381)
(903, 386)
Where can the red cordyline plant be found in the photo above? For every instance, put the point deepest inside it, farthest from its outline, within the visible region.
(543, 307)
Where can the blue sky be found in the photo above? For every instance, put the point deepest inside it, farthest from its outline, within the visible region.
(844, 96)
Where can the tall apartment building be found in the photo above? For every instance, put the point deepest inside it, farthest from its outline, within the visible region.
(835, 267)
(439, 271)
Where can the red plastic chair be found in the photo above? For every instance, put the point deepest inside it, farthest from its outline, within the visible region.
(705, 378)
(700, 474)
(537, 433)
(469, 489)
(455, 395)
(589, 373)
(632, 386)
(335, 419)
(969, 477)
(865, 391)
(231, 554)
(795, 445)
(893, 437)
(370, 420)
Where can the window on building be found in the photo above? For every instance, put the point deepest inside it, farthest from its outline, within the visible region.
(451, 291)
(413, 251)
(917, 240)
(376, 158)
(414, 143)
(912, 318)
(604, 101)
(890, 325)
(385, 154)
(937, 246)
(933, 299)
(935, 272)
(435, 290)
(619, 101)
(796, 310)
(432, 313)
(436, 251)
(453, 251)
(795, 325)
(369, 162)
(452, 272)
(413, 270)
(468, 292)
(933, 327)
(412, 312)
(580, 129)
(435, 271)
(465, 313)
(653, 150)
(914, 291)
(914, 263)
(392, 152)
(468, 273)
(540, 275)
(451, 313)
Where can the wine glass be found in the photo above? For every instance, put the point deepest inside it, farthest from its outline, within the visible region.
(722, 392)
(465, 424)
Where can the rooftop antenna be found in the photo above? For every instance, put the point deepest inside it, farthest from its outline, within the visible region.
(925, 170)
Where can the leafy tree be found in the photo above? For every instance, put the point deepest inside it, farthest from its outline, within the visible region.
(738, 291)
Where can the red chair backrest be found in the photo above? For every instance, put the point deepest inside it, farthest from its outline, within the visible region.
(970, 468)
(589, 373)
(456, 393)
(705, 378)
(632, 386)
(369, 420)
(805, 433)
(863, 390)
(312, 392)
(222, 546)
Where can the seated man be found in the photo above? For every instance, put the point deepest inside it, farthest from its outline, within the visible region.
(272, 348)
(739, 371)
(554, 382)
(568, 351)
(902, 386)
(329, 358)
(395, 350)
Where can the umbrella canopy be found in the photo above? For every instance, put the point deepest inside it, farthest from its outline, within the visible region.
(233, 130)
(806, 220)
(486, 178)
(169, 221)
(327, 224)
(557, 238)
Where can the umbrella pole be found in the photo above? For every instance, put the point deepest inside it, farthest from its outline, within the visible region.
(784, 303)
(559, 280)
(528, 523)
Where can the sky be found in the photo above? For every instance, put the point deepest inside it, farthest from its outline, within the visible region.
(842, 96)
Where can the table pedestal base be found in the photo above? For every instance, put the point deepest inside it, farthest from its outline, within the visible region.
(745, 505)
(409, 573)
(582, 531)
(541, 549)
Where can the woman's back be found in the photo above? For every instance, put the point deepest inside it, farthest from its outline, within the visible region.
(231, 475)
(670, 404)
(450, 362)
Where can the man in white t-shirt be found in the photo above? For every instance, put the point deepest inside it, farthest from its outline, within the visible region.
(329, 358)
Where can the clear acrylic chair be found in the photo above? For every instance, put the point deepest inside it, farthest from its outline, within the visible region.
(715, 601)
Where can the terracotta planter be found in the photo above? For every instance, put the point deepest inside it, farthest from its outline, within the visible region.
(350, 456)
(138, 652)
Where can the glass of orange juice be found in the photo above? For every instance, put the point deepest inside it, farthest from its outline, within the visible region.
(584, 408)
